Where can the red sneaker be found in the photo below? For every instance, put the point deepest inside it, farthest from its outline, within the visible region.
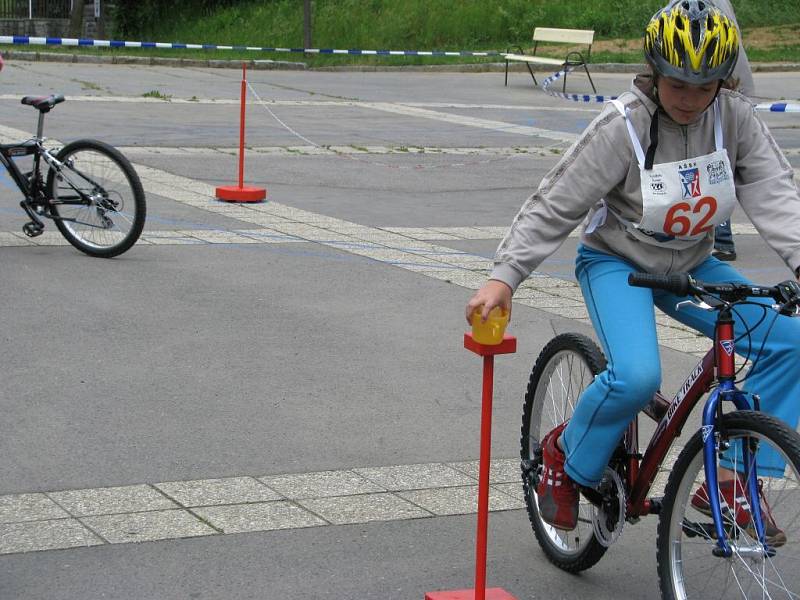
(734, 500)
(557, 493)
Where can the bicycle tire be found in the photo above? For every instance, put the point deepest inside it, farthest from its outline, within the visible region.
(686, 566)
(114, 220)
(571, 361)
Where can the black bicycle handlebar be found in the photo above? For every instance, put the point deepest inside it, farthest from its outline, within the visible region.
(677, 283)
(786, 294)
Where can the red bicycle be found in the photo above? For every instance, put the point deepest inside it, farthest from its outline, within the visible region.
(709, 551)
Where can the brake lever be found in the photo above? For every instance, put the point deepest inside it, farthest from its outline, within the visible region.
(702, 301)
(695, 303)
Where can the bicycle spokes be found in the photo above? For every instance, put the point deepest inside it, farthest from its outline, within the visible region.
(761, 482)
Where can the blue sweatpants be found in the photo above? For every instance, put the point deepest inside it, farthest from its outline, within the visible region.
(624, 319)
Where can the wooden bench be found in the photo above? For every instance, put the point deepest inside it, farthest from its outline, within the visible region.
(563, 36)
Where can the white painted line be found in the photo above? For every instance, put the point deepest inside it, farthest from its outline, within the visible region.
(498, 126)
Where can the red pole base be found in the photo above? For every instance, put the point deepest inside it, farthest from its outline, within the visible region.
(491, 594)
(245, 193)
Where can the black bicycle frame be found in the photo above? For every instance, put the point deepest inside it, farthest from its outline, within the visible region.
(10, 151)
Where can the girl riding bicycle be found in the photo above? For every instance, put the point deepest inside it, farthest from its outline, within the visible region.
(650, 178)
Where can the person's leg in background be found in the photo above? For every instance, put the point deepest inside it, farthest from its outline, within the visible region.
(724, 248)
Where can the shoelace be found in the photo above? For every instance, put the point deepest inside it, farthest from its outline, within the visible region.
(764, 503)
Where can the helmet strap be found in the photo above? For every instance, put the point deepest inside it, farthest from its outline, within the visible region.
(650, 155)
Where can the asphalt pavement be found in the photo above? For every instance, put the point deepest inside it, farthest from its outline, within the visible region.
(273, 400)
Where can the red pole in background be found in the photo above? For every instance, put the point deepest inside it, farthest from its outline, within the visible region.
(507, 346)
(243, 112)
(241, 193)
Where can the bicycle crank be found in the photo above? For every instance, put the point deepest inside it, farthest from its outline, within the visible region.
(609, 515)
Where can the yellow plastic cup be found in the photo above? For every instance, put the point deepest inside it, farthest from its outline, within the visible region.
(491, 332)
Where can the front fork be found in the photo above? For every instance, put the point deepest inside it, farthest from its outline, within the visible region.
(711, 447)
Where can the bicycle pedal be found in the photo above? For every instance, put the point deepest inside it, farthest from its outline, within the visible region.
(32, 229)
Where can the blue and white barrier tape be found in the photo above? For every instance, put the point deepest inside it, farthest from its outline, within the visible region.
(778, 107)
(598, 98)
(784, 107)
(53, 41)
(575, 97)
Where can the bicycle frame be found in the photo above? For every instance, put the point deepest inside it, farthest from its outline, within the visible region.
(717, 365)
(27, 148)
(31, 184)
(33, 146)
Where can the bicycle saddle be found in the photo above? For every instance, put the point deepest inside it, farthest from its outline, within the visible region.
(43, 103)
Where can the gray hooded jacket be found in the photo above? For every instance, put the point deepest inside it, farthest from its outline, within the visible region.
(602, 165)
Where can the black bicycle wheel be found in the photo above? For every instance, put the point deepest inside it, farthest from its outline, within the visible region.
(687, 568)
(96, 198)
(566, 365)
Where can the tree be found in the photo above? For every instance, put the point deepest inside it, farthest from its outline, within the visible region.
(76, 18)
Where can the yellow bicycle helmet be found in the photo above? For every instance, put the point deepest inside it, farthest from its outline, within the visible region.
(693, 41)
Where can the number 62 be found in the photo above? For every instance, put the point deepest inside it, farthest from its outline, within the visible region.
(679, 223)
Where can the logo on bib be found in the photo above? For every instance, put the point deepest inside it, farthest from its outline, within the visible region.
(717, 172)
(690, 178)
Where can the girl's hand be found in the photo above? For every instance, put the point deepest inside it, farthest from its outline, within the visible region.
(493, 293)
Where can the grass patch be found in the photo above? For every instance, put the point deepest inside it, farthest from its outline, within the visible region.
(157, 94)
(771, 29)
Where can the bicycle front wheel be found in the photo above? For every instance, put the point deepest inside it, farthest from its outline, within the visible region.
(686, 566)
(97, 200)
(566, 365)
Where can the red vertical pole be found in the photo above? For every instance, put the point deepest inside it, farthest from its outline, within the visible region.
(241, 193)
(483, 478)
(241, 125)
(488, 352)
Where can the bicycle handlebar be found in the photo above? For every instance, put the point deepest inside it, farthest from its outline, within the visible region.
(677, 283)
(786, 294)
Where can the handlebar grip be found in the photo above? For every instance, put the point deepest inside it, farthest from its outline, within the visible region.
(677, 283)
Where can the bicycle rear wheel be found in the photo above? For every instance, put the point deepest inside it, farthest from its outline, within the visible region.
(566, 365)
(96, 197)
(686, 566)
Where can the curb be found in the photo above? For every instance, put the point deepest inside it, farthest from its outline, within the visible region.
(151, 61)
(301, 66)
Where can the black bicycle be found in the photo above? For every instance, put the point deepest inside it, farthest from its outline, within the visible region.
(90, 191)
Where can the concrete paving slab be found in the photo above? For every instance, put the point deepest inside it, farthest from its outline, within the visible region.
(321, 484)
(459, 500)
(363, 509)
(512, 489)
(12, 239)
(412, 477)
(208, 492)
(148, 526)
(501, 470)
(45, 535)
(262, 516)
(29, 507)
(105, 501)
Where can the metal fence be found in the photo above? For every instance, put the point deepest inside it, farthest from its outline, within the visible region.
(35, 9)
